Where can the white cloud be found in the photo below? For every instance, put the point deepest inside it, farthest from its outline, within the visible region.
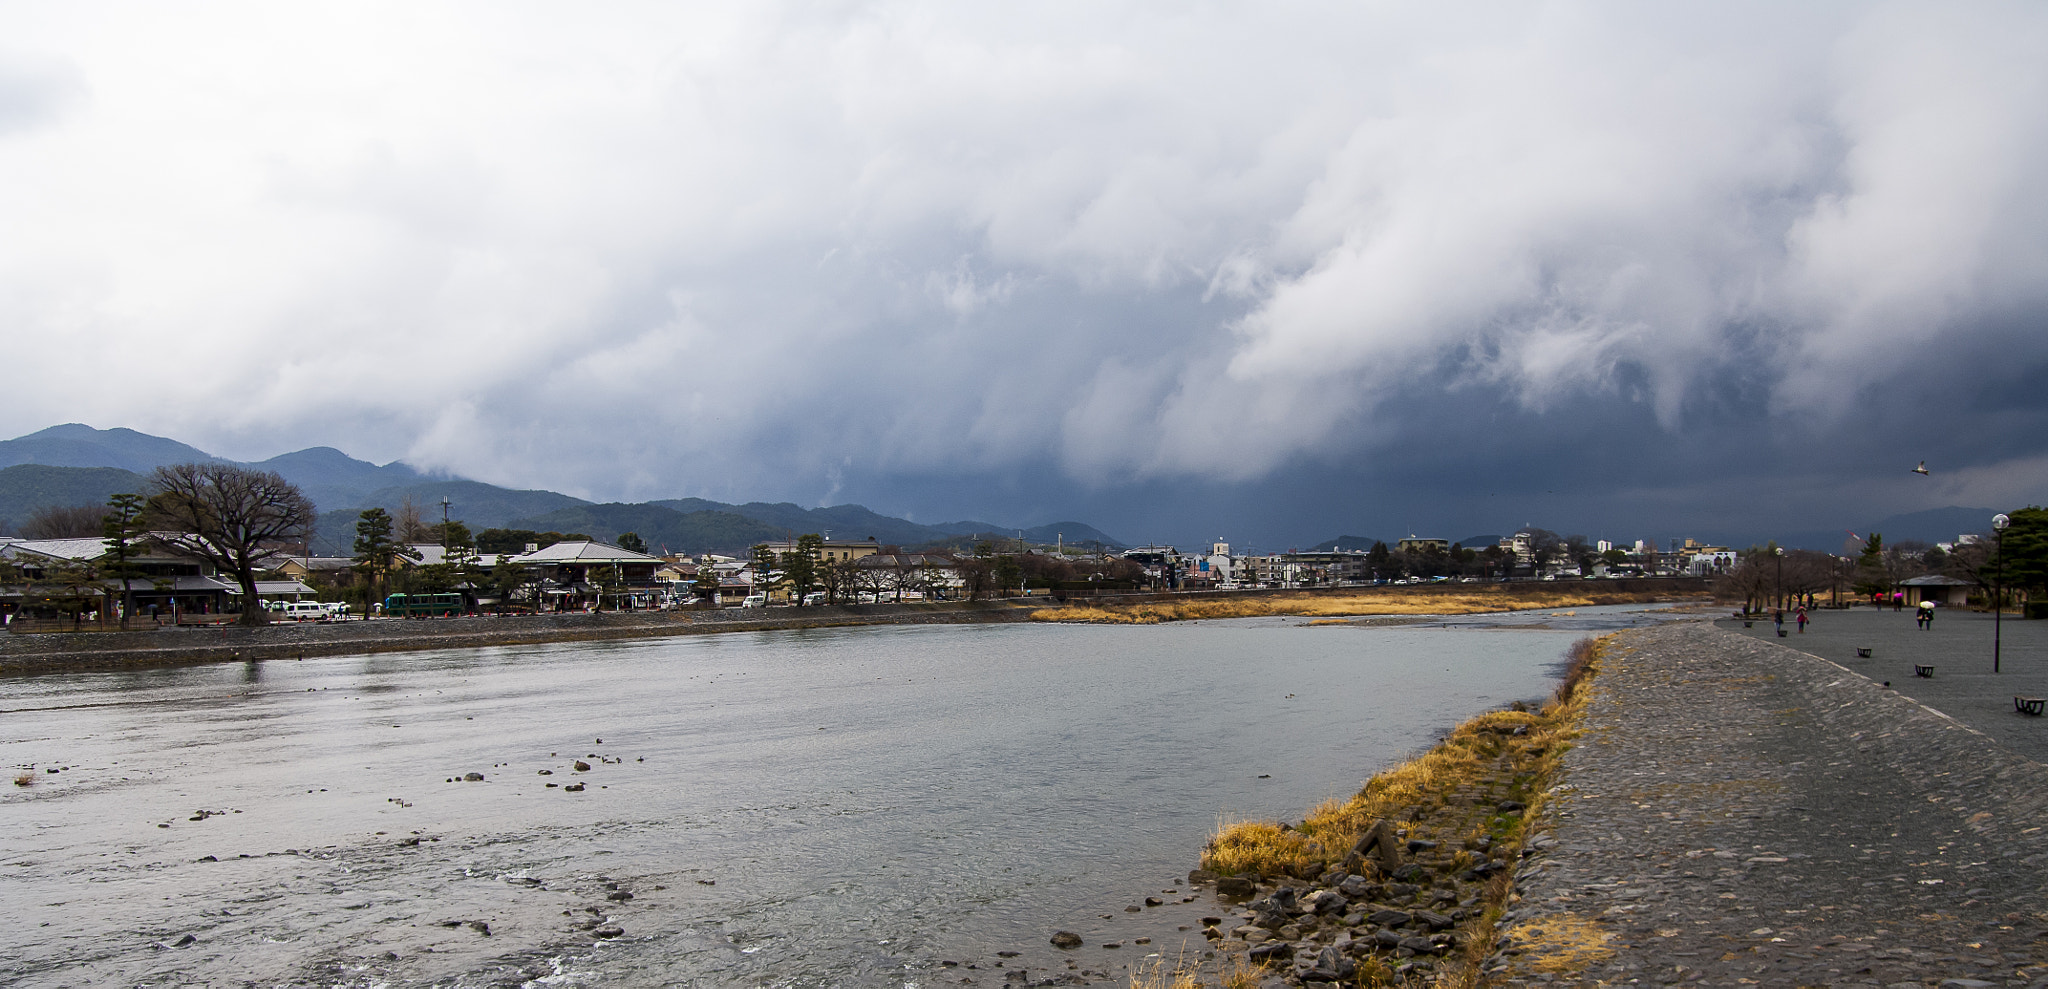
(662, 250)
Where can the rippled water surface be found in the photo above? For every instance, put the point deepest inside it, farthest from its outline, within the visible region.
(826, 807)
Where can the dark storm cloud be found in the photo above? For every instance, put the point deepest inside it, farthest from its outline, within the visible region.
(1296, 269)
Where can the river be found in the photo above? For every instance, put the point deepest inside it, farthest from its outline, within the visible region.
(796, 808)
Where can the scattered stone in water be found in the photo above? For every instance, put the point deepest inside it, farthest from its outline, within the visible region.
(1066, 939)
(707, 882)
(1153, 901)
(609, 932)
(581, 766)
(1009, 954)
(472, 777)
(573, 788)
(547, 772)
(621, 896)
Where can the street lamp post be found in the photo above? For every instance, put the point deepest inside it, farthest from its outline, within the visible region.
(1778, 582)
(1998, 524)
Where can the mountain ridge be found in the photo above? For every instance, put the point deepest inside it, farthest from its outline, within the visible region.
(341, 487)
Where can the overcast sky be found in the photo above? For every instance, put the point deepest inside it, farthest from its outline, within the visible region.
(1270, 271)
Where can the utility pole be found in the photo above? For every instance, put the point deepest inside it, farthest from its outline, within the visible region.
(1998, 524)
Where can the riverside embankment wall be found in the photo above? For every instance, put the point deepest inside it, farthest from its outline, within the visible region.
(82, 651)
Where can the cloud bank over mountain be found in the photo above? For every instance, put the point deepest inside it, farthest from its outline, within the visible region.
(1326, 263)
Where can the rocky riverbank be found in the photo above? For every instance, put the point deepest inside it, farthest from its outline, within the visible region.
(1401, 883)
(85, 651)
(1706, 809)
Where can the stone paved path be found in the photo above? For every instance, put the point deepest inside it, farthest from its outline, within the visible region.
(1959, 649)
(1739, 813)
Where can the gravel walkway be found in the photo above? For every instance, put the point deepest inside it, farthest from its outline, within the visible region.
(1740, 813)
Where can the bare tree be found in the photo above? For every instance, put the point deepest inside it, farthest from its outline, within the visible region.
(410, 524)
(1750, 580)
(231, 517)
(1807, 573)
(64, 522)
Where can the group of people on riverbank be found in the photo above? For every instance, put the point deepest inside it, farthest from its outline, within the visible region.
(1798, 615)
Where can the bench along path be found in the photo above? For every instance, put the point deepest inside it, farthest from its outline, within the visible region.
(1740, 813)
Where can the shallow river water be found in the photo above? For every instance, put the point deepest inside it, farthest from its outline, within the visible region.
(822, 807)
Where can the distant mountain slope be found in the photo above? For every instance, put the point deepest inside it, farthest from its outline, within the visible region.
(840, 521)
(660, 527)
(331, 478)
(77, 445)
(27, 487)
(855, 522)
(473, 503)
(334, 479)
(342, 487)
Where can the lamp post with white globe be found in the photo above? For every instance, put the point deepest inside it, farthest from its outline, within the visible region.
(1998, 524)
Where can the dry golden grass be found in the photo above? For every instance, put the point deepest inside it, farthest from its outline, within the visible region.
(1563, 943)
(1238, 972)
(1473, 750)
(1157, 975)
(1516, 597)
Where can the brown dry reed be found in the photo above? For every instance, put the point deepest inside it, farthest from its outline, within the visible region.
(1516, 597)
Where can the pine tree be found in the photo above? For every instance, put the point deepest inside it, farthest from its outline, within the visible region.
(124, 532)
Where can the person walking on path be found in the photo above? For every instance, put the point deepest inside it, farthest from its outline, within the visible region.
(1778, 620)
(1802, 621)
(1926, 620)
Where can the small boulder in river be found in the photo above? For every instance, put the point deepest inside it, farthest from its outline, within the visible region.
(1066, 939)
(1235, 886)
(582, 767)
(472, 777)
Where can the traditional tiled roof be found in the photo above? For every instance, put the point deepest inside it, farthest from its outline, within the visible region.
(584, 551)
(61, 549)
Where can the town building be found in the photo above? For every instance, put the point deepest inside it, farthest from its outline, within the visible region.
(587, 574)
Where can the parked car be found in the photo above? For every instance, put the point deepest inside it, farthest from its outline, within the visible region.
(304, 611)
(754, 601)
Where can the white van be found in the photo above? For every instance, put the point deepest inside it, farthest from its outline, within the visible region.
(300, 611)
(814, 599)
(755, 601)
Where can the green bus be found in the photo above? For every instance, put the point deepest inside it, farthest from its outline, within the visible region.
(408, 605)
